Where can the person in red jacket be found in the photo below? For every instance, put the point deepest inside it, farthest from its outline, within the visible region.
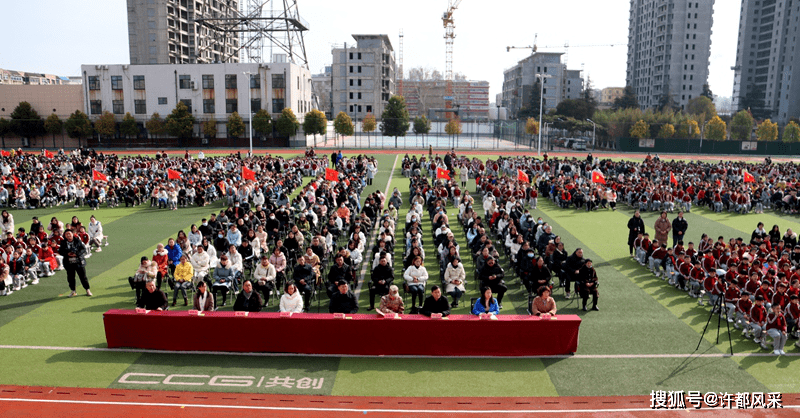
(758, 318)
(793, 316)
(776, 328)
(780, 297)
(743, 307)
(161, 257)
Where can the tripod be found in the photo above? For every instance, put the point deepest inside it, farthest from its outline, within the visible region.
(718, 308)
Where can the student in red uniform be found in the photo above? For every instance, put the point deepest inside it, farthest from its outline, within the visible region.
(732, 295)
(776, 328)
(792, 316)
(758, 318)
(696, 278)
(765, 292)
(780, 297)
(743, 306)
(710, 285)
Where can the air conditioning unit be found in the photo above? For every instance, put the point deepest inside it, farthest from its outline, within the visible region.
(192, 85)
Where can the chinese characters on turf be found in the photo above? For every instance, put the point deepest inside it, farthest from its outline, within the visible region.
(660, 399)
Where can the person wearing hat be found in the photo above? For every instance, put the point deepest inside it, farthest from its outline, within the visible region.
(758, 317)
(587, 277)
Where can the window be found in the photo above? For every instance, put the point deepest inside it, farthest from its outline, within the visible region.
(277, 105)
(359, 55)
(351, 55)
(208, 82)
(94, 82)
(544, 91)
(140, 107)
(162, 100)
(208, 105)
(359, 68)
(138, 82)
(255, 81)
(359, 82)
(359, 108)
(351, 68)
(117, 107)
(359, 96)
(184, 82)
(369, 108)
(96, 107)
(188, 103)
(351, 95)
(230, 81)
(278, 82)
(351, 81)
(231, 105)
(255, 105)
(116, 82)
(351, 108)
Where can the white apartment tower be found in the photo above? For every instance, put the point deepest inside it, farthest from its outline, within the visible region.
(668, 49)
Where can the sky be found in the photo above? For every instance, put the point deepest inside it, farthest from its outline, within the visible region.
(56, 37)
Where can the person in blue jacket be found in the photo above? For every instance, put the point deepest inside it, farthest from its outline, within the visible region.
(174, 254)
(486, 304)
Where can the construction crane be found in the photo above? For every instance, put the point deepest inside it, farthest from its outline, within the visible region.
(565, 46)
(449, 37)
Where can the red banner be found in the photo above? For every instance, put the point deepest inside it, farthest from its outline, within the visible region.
(173, 174)
(441, 173)
(598, 177)
(48, 154)
(248, 174)
(523, 177)
(748, 178)
(98, 176)
(331, 174)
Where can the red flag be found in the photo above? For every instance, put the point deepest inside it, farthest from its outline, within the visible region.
(523, 177)
(248, 174)
(441, 173)
(672, 178)
(16, 182)
(5, 153)
(98, 176)
(748, 178)
(331, 174)
(598, 177)
(173, 174)
(48, 154)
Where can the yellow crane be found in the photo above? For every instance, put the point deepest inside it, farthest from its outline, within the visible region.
(449, 37)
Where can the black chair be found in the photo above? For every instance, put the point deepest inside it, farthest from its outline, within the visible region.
(472, 304)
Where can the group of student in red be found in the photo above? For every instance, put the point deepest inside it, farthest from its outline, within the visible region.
(756, 285)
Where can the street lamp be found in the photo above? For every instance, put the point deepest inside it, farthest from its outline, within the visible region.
(594, 133)
(250, 109)
(541, 105)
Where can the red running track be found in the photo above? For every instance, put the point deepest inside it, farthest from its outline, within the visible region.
(25, 401)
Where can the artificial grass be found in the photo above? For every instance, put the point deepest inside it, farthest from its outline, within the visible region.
(63, 368)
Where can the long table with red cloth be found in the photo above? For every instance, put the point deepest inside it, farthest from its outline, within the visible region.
(358, 334)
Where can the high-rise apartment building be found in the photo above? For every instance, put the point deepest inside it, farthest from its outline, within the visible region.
(668, 49)
(363, 76)
(559, 83)
(767, 64)
(166, 32)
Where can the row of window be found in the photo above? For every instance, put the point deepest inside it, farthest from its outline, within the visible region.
(185, 82)
(140, 106)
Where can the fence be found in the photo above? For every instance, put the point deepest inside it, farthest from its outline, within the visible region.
(696, 146)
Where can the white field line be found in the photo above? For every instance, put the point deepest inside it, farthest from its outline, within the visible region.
(565, 356)
(367, 261)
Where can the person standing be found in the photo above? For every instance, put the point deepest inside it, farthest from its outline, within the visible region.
(679, 227)
(74, 252)
(635, 227)
(662, 227)
(588, 281)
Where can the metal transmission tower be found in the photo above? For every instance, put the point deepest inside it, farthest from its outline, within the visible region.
(449, 37)
(259, 24)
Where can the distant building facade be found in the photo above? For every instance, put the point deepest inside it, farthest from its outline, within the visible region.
(559, 83)
(471, 98)
(322, 88)
(12, 77)
(363, 76)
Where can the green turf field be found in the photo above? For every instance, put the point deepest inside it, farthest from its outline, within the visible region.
(640, 340)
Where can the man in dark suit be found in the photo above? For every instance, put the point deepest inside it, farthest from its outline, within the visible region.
(343, 301)
(152, 299)
(435, 303)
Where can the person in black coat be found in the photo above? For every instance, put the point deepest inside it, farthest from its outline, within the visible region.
(679, 227)
(588, 283)
(343, 301)
(491, 276)
(635, 226)
(572, 269)
(152, 299)
(74, 252)
(435, 303)
(340, 271)
(303, 276)
(382, 278)
(248, 300)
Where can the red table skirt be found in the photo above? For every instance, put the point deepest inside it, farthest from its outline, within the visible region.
(359, 334)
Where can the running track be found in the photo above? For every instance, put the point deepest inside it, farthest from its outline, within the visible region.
(24, 401)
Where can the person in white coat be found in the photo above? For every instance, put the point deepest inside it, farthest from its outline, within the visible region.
(201, 263)
(455, 278)
(95, 231)
(264, 278)
(416, 276)
(292, 300)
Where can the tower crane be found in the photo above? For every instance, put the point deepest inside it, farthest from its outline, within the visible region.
(449, 37)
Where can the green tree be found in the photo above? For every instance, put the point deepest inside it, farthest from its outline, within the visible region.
(767, 131)
(791, 133)
(701, 105)
(235, 126)
(369, 125)
(78, 126)
(25, 122)
(667, 102)
(628, 100)
(453, 127)
(209, 128)
(667, 131)
(742, 126)
(180, 123)
(5, 129)
(287, 124)
(716, 130)
(531, 127)
(315, 124)
(579, 109)
(128, 127)
(640, 130)
(688, 130)
(395, 119)
(753, 101)
(531, 109)
(707, 92)
(54, 126)
(262, 123)
(105, 125)
(343, 125)
(155, 126)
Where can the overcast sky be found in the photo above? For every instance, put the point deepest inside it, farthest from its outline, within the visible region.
(58, 36)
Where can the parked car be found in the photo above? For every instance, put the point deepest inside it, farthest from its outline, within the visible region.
(577, 144)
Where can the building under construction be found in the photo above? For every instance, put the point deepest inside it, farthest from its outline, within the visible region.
(428, 98)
